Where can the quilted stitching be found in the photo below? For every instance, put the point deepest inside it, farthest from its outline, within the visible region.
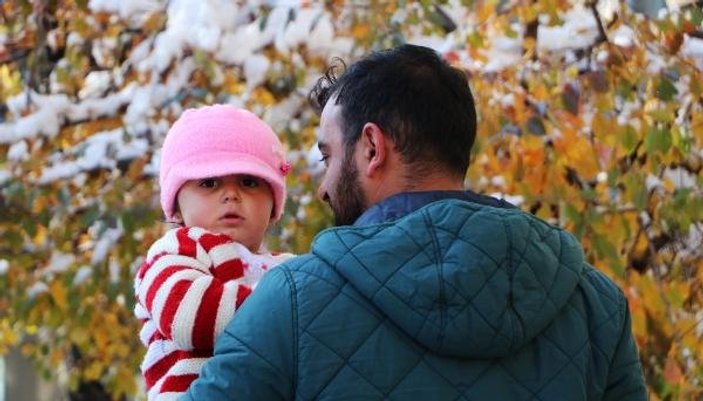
(389, 296)
(563, 353)
(350, 369)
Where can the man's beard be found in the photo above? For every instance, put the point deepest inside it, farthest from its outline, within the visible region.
(348, 201)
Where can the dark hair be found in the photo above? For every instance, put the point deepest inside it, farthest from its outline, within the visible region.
(422, 103)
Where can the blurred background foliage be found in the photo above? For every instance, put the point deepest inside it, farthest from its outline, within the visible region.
(601, 133)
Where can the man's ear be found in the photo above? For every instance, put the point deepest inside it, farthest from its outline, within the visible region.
(374, 148)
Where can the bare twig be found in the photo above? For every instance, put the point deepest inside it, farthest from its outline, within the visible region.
(14, 56)
(658, 275)
(593, 5)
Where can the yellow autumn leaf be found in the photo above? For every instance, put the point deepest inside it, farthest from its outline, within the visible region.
(604, 129)
(576, 151)
(101, 337)
(697, 126)
(31, 329)
(672, 371)
(540, 92)
(262, 96)
(678, 293)
(233, 85)
(79, 335)
(121, 350)
(526, 11)
(639, 317)
(154, 22)
(485, 11)
(360, 32)
(57, 355)
(390, 7)
(8, 336)
(94, 371)
(689, 335)
(651, 296)
(10, 81)
(124, 381)
(59, 294)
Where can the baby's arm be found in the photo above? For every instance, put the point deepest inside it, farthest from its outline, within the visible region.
(187, 303)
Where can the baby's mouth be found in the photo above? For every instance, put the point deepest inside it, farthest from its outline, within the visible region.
(230, 216)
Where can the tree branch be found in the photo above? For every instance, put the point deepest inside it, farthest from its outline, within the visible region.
(593, 5)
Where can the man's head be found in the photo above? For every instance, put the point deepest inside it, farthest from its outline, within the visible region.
(396, 120)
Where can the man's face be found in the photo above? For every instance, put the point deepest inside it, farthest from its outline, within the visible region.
(340, 187)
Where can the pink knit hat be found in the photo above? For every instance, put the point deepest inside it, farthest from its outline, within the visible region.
(219, 140)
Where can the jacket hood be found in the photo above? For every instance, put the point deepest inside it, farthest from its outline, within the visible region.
(462, 279)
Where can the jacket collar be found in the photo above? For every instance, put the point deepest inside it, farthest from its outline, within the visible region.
(399, 205)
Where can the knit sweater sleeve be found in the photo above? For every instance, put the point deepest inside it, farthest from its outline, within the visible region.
(191, 284)
(256, 356)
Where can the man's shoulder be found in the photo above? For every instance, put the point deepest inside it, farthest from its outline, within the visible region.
(604, 287)
(308, 268)
(303, 285)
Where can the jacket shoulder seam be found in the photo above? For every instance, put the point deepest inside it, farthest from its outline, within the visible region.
(294, 325)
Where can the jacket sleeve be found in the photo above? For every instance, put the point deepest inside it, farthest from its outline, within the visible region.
(625, 378)
(255, 355)
(175, 286)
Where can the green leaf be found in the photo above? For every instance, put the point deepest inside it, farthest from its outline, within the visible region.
(475, 39)
(576, 217)
(657, 140)
(128, 222)
(629, 139)
(606, 250)
(696, 15)
(613, 177)
(662, 115)
(589, 194)
(510, 32)
(636, 190)
(12, 239)
(89, 216)
(625, 88)
(30, 227)
(681, 141)
(570, 99)
(666, 90)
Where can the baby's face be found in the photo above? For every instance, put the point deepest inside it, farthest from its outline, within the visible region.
(237, 205)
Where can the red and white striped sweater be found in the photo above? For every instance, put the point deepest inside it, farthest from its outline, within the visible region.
(187, 291)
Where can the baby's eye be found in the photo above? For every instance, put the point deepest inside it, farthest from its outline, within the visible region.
(209, 183)
(250, 182)
(324, 159)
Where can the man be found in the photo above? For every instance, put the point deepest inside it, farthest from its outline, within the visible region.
(424, 291)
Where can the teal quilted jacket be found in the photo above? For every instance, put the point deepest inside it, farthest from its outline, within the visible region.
(455, 301)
